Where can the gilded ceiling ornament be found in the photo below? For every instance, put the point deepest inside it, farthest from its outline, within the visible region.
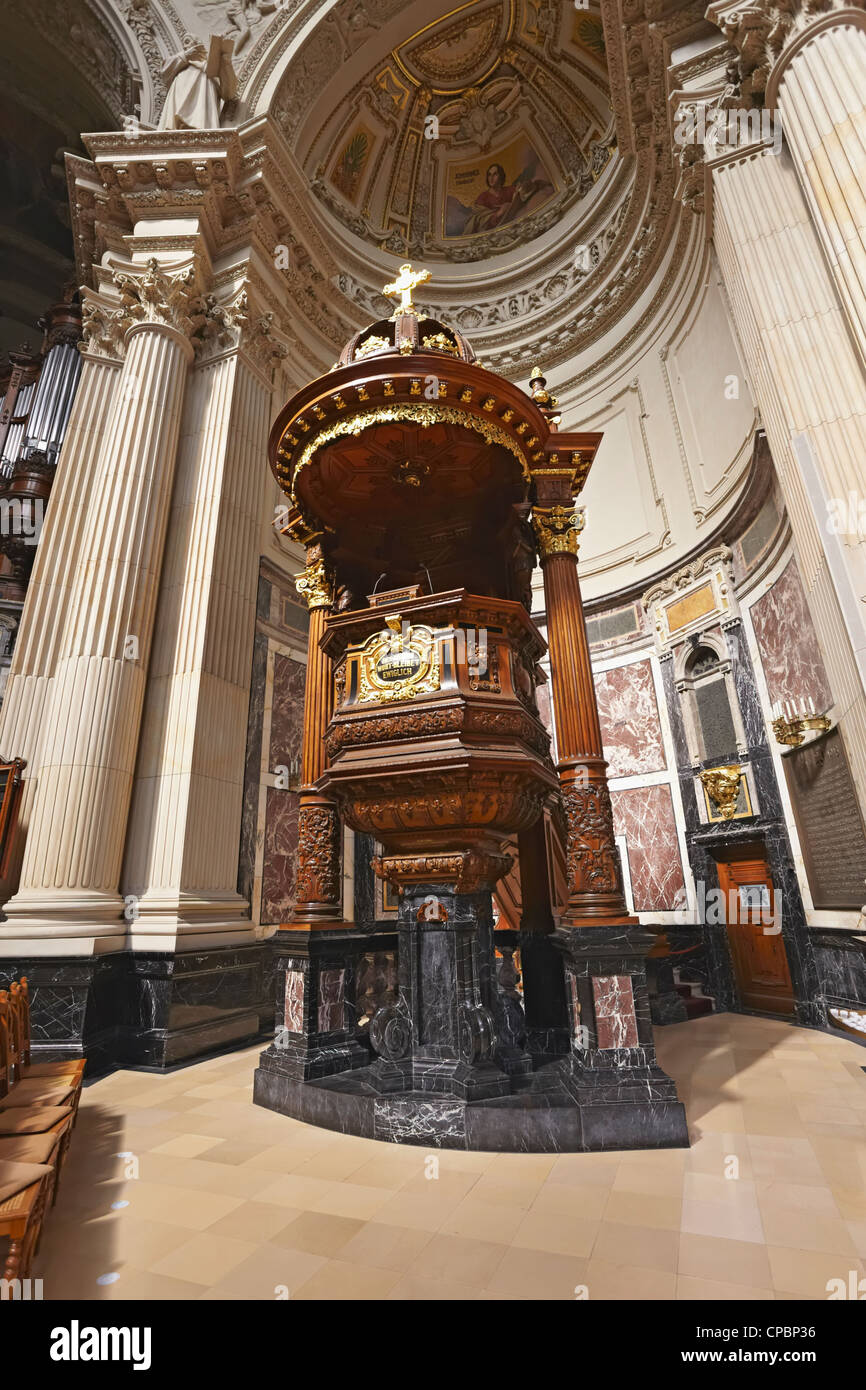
(557, 529)
(723, 788)
(316, 585)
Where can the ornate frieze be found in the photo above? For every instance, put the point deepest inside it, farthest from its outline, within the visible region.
(697, 596)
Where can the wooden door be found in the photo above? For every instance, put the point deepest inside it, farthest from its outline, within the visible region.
(757, 949)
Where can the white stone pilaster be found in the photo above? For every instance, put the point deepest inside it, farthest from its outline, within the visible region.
(812, 395)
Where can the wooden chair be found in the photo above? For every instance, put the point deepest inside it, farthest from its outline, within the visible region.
(34, 1133)
(26, 1091)
(73, 1067)
(21, 1220)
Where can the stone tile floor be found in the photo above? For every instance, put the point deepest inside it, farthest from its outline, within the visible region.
(178, 1187)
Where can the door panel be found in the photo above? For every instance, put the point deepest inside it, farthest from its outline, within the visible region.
(757, 949)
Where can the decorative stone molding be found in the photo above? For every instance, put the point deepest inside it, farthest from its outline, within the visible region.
(699, 595)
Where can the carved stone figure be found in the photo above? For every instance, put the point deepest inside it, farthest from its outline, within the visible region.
(198, 80)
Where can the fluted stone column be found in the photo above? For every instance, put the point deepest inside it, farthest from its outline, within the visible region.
(819, 86)
(35, 656)
(70, 877)
(185, 820)
(811, 390)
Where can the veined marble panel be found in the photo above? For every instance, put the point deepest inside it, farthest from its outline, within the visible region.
(280, 866)
(331, 1000)
(786, 638)
(645, 816)
(294, 1014)
(615, 1021)
(629, 716)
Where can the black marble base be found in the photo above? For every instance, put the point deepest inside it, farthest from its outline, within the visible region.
(542, 1116)
(149, 1009)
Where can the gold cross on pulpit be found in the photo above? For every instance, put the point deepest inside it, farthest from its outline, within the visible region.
(405, 283)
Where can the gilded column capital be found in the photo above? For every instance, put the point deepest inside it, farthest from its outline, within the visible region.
(316, 585)
(557, 529)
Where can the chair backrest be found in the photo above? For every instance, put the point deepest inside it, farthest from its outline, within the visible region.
(5, 1052)
(15, 1018)
(24, 1041)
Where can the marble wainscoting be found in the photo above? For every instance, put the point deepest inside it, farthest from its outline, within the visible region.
(629, 716)
(284, 702)
(789, 649)
(645, 816)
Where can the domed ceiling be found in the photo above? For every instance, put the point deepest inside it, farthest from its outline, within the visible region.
(472, 135)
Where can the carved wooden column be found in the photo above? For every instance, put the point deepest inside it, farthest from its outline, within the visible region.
(595, 878)
(319, 882)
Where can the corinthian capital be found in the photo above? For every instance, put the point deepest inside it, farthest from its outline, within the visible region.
(316, 585)
(761, 30)
(153, 295)
(557, 529)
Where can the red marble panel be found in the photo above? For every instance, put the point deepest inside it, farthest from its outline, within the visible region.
(645, 816)
(629, 716)
(789, 649)
(280, 864)
(615, 1022)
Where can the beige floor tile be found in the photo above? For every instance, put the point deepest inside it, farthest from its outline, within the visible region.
(539, 1274)
(449, 1259)
(608, 1282)
(723, 1260)
(710, 1290)
(386, 1247)
(710, 1187)
(644, 1209)
(556, 1232)
(730, 1220)
(271, 1274)
(799, 1197)
(413, 1290)
(341, 1280)
(255, 1221)
(205, 1259)
(807, 1273)
(586, 1202)
(319, 1233)
(351, 1199)
(807, 1230)
(643, 1246)
(290, 1191)
(187, 1145)
(484, 1220)
(179, 1206)
(426, 1212)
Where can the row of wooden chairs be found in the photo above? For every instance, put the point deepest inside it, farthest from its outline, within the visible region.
(38, 1108)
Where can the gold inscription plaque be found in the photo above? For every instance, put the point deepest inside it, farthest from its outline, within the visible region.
(693, 606)
(399, 663)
